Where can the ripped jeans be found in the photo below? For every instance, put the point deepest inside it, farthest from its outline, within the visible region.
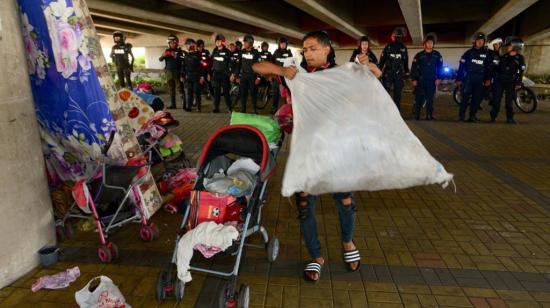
(308, 223)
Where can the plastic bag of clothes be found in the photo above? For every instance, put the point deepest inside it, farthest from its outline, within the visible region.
(101, 292)
(265, 124)
(239, 183)
(349, 136)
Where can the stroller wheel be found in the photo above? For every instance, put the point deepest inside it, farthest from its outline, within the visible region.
(226, 299)
(59, 234)
(146, 233)
(114, 250)
(273, 249)
(69, 232)
(244, 296)
(180, 290)
(161, 283)
(104, 254)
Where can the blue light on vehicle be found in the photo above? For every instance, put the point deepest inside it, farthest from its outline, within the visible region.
(446, 69)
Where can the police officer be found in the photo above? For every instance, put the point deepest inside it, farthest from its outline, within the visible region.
(265, 54)
(425, 75)
(120, 53)
(508, 78)
(494, 58)
(246, 77)
(279, 57)
(473, 73)
(221, 71)
(191, 70)
(394, 63)
(173, 57)
(205, 65)
(364, 48)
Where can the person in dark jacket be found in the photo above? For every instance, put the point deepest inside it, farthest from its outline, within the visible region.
(426, 76)
(508, 78)
(394, 63)
(279, 57)
(191, 72)
(206, 66)
(221, 72)
(246, 77)
(173, 57)
(120, 52)
(474, 72)
(364, 48)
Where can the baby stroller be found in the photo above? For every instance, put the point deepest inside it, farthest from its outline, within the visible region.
(106, 197)
(232, 141)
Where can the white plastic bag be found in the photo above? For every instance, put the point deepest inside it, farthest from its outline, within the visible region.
(349, 136)
(105, 295)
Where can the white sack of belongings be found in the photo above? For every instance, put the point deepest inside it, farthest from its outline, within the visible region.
(349, 136)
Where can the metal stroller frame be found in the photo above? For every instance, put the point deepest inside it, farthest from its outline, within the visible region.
(108, 251)
(167, 281)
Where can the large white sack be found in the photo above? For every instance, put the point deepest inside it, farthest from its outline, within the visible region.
(349, 136)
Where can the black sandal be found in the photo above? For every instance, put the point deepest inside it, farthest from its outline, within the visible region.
(314, 267)
(351, 257)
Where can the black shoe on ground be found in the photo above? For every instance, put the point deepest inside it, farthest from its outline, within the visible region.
(511, 121)
(493, 120)
(216, 111)
(172, 107)
(472, 120)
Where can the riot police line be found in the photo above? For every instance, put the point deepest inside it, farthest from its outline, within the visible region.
(227, 72)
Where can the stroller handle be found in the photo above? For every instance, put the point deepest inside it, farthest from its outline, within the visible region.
(107, 145)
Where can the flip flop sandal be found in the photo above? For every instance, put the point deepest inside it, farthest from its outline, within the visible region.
(315, 268)
(351, 257)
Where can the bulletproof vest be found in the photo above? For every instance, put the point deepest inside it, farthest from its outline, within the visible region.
(265, 56)
(427, 63)
(172, 63)
(192, 64)
(221, 60)
(120, 52)
(248, 58)
(205, 61)
(395, 55)
(475, 62)
(280, 55)
(510, 67)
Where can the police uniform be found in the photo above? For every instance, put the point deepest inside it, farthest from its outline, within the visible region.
(119, 53)
(173, 59)
(278, 58)
(205, 68)
(394, 63)
(508, 75)
(191, 69)
(473, 70)
(425, 70)
(247, 77)
(221, 69)
(370, 55)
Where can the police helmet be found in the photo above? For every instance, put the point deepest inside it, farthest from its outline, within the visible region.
(283, 40)
(479, 36)
(249, 39)
(364, 38)
(265, 44)
(119, 35)
(189, 42)
(172, 38)
(430, 37)
(219, 37)
(498, 40)
(516, 43)
(200, 43)
(239, 44)
(399, 32)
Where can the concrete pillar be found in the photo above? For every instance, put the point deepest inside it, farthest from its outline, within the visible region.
(26, 219)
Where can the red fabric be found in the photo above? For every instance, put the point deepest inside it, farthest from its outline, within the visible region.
(218, 208)
(80, 194)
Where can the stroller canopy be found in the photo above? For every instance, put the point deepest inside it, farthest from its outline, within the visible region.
(241, 140)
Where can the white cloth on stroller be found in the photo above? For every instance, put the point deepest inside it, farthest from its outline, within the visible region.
(349, 136)
(208, 233)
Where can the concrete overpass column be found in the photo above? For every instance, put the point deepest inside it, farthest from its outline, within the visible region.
(26, 219)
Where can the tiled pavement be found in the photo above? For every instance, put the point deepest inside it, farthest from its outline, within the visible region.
(487, 245)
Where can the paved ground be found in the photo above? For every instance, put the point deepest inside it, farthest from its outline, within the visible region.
(487, 245)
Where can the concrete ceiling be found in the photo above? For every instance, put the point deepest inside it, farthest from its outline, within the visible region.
(454, 21)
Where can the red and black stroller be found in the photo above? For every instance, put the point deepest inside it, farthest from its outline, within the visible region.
(228, 143)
